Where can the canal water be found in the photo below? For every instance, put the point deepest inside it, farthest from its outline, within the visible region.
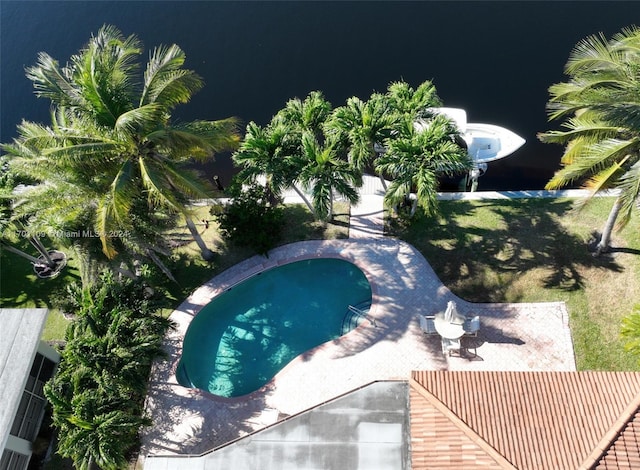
(496, 59)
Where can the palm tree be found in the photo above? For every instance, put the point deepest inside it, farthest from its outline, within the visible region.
(416, 158)
(276, 151)
(326, 174)
(269, 152)
(308, 115)
(114, 139)
(600, 105)
(360, 127)
(405, 101)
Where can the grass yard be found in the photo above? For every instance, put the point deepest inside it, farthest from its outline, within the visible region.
(535, 250)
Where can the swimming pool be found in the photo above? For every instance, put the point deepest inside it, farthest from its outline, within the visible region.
(244, 336)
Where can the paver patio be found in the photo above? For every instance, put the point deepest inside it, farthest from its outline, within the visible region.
(512, 337)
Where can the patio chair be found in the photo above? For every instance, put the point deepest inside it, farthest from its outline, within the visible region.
(449, 346)
(471, 326)
(427, 325)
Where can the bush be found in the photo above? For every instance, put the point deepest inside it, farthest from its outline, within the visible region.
(251, 219)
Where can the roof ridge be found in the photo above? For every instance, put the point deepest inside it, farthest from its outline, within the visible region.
(612, 434)
(460, 424)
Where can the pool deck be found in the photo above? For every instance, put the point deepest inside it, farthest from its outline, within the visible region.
(513, 337)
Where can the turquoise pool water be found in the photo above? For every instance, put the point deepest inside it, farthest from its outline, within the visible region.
(244, 336)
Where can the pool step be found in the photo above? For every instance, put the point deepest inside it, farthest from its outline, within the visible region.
(354, 316)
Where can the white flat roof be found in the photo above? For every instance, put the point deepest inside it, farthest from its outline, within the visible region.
(19, 337)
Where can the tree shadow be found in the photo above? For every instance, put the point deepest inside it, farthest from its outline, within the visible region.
(189, 420)
(19, 285)
(530, 237)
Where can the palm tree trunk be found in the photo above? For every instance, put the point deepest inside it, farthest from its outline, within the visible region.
(207, 254)
(414, 204)
(162, 266)
(605, 238)
(37, 244)
(306, 201)
(21, 253)
(331, 204)
(382, 180)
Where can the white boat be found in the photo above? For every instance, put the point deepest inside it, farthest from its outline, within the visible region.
(485, 142)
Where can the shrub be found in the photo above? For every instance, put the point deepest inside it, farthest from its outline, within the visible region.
(251, 219)
(98, 391)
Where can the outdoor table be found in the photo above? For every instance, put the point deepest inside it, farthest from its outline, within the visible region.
(450, 329)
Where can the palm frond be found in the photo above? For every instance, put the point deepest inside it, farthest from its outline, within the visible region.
(50, 82)
(122, 193)
(592, 53)
(606, 178)
(158, 189)
(426, 183)
(186, 182)
(138, 121)
(165, 82)
(592, 128)
(105, 225)
(216, 136)
(197, 139)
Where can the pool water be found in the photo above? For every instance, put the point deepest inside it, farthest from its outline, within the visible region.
(244, 336)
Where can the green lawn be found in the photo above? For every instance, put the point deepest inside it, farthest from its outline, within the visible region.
(535, 250)
(525, 250)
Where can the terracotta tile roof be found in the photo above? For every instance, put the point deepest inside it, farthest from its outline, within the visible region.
(525, 420)
(624, 451)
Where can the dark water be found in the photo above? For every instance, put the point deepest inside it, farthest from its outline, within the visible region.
(495, 59)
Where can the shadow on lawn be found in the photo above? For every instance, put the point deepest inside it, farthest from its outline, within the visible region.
(530, 237)
(20, 287)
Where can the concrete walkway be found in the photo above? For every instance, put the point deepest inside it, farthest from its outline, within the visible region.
(367, 217)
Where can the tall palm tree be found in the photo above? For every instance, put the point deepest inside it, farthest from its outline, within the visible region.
(276, 151)
(326, 174)
(600, 106)
(114, 138)
(269, 152)
(416, 158)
